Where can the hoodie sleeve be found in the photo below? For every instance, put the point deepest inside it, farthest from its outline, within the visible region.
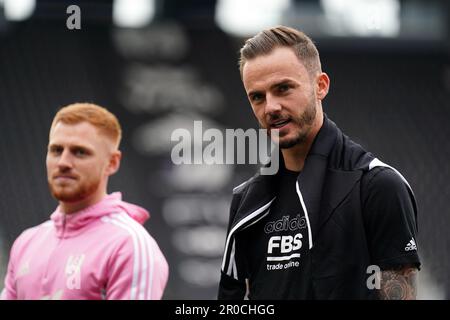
(137, 270)
(9, 290)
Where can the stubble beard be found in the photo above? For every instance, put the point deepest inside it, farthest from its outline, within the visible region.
(79, 193)
(304, 123)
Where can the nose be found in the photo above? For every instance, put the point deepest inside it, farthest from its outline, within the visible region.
(65, 160)
(273, 105)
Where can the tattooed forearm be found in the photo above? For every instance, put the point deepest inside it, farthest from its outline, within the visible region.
(399, 284)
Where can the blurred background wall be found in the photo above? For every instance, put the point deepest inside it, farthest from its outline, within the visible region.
(161, 64)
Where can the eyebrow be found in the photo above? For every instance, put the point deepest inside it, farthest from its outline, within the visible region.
(273, 86)
(71, 147)
(281, 82)
(53, 145)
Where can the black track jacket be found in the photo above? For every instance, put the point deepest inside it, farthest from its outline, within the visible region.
(348, 235)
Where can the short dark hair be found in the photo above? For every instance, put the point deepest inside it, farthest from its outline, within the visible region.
(267, 40)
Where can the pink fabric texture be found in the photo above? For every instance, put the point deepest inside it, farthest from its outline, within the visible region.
(101, 252)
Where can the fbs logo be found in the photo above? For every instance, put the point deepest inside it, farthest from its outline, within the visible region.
(73, 271)
(285, 244)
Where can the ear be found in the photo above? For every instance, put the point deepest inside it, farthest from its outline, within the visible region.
(114, 162)
(322, 85)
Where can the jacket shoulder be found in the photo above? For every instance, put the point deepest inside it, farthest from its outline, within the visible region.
(28, 235)
(122, 230)
(385, 179)
(243, 187)
(348, 155)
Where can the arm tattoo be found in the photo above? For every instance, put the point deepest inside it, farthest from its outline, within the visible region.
(399, 284)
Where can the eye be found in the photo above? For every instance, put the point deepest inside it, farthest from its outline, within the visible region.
(80, 152)
(56, 150)
(256, 97)
(283, 87)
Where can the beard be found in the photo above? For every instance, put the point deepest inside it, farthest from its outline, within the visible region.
(304, 123)
(76, 193)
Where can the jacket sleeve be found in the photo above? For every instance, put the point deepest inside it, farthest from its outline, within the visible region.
(137, 270)
(9, 291)
(229, 287)
(390, 217)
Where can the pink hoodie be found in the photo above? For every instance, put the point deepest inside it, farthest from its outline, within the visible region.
(101, 252)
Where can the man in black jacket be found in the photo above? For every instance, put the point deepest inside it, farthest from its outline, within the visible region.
(334, 222)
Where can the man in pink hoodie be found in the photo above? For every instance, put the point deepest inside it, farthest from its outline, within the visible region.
(94, 245)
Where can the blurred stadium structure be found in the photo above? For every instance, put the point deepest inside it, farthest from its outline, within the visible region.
(161, 64)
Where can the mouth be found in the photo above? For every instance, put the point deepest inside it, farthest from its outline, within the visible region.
(63, 178)
(279, 123)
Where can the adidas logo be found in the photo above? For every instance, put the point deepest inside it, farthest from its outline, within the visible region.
(411, 245)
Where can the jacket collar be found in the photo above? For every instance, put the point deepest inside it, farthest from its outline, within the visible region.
(68, 225)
